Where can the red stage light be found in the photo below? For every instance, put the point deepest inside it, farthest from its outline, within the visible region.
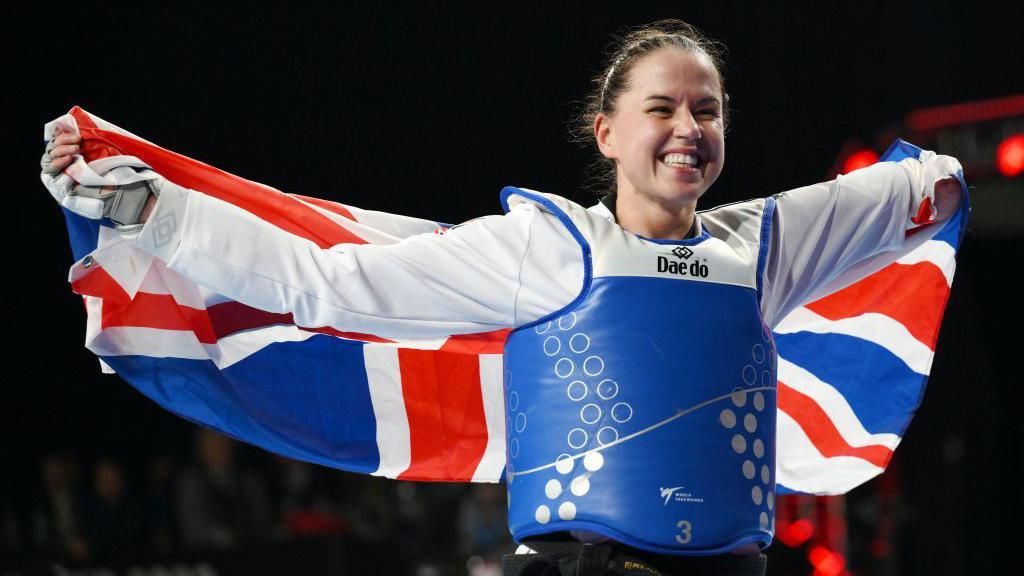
(859, 159)
(796, 533)
(826, 562)
(1010, 156)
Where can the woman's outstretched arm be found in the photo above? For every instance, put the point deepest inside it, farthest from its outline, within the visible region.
(490, 273)
(820, 231)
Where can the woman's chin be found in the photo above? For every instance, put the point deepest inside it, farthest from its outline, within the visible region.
(685, 194)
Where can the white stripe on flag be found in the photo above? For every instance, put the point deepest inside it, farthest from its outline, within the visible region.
(802, 468)
(871, 326)
(161, 280)
(240, 345)
(152, 342)
(385, 378)
(835, 406)
(93, 318)
(937, 252)
(162, 343)
(93, 326)
(490, 466)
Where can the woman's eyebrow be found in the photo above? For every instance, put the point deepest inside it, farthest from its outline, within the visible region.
(701, 102)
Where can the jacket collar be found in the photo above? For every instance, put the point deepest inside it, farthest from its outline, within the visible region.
(606, 208)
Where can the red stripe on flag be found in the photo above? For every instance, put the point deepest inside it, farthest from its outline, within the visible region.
(91, 149)
(822, 432)
(82, 118)
(924, 212)
(262, 201)
(921, 228)
(348, 335)
(159, 311)
(334, 207)
(449, 445)
(912, 294)
(230, 317)
(100, 284)
(480, 343)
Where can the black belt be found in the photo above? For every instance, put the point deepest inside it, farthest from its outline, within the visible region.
(570, 558)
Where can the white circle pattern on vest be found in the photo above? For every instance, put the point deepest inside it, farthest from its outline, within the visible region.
(749, 449)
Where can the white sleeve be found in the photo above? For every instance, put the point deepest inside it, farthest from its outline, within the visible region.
(819, 231)
(490, 273)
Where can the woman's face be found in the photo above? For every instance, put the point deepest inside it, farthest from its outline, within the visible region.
(672, 111)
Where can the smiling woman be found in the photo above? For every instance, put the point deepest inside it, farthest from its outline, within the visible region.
(640, 330)
(662, 92)
(667, 139)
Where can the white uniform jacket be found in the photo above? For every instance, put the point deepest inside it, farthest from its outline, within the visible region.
(504, 271)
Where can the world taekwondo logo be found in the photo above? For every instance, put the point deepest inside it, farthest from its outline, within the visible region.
(666, 493)
(675, 494)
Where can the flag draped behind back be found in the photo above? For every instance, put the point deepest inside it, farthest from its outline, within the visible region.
(852, 364)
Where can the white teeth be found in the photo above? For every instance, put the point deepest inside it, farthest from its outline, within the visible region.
(676, 159)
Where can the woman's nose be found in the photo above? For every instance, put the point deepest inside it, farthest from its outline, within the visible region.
(687, 126)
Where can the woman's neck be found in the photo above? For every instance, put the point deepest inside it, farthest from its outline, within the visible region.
(652, 219)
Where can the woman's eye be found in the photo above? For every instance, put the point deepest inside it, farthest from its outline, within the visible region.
(702, 113)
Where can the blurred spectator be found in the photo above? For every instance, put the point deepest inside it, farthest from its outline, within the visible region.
(161, 524)
(56, 513)
(425, 514)
(413, 522)
(220, 504)
(111, 520)
(308, 499)
(10, 525)
(483, 524)
(372, 510)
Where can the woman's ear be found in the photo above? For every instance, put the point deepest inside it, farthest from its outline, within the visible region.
(603, 135)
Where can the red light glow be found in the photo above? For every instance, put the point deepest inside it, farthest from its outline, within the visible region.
(1010, 156)
(966, 113)
(826, 562)
(859, 159)
(796, 533)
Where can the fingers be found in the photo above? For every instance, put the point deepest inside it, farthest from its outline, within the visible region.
(60, 163)
(63, 145)
(58, 158)
(66, 138)
(60, 153)
(63, 150)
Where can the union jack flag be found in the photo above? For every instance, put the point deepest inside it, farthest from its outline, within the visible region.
(852, 368)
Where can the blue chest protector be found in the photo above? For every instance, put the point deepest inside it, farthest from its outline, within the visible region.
(644, 411)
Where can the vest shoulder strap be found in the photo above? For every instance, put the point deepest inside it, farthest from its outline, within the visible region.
(583, 224)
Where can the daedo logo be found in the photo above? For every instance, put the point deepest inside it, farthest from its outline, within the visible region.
(697, 268)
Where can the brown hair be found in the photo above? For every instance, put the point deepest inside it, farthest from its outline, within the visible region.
(621, 55)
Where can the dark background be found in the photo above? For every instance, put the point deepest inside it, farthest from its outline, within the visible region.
(428, 111)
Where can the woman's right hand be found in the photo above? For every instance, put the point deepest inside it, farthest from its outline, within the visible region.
(947, 198)
(59, 153)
